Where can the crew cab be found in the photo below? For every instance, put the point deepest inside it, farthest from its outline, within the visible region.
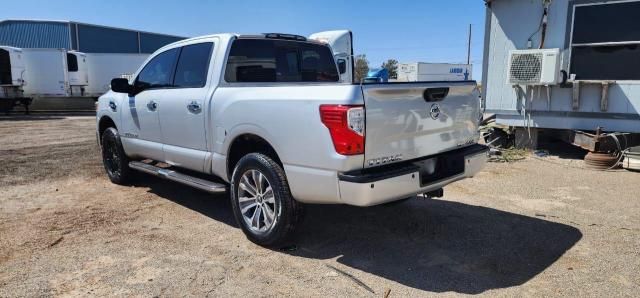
(277, 121)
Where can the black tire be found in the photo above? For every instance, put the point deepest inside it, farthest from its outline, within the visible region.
(115, 161)
(288, 211)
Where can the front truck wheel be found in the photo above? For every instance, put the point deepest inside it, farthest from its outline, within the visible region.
(262, 203)
(116, 162)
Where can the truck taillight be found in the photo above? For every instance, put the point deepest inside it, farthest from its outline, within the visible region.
(346, 126)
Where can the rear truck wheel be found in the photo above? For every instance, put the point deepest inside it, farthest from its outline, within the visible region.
(115, 161)
(261, 200)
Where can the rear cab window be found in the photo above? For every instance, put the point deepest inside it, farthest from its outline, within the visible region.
(274, 60)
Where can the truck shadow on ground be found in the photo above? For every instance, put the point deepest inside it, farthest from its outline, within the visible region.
(436, 245)
(431, 245)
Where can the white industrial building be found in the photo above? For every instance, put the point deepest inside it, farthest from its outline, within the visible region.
(559, 64)
(566, 68)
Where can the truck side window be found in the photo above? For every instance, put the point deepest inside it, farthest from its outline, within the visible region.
(269, 60)
(193, 64)
(158, 72)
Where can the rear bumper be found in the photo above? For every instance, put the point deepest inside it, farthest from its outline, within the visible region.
(385, 184)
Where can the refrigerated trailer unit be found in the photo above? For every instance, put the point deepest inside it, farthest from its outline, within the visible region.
(45, 73)
(12, 70)
(57, 73)
(77, 73)
(77, 41)
(421, 71)
(26, 74)
(11, 66)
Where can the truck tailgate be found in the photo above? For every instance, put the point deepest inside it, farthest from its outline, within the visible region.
(406, 121)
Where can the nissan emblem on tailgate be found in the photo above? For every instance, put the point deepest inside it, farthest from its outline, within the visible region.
(435, 111)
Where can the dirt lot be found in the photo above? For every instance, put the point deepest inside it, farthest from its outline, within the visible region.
(543, 227)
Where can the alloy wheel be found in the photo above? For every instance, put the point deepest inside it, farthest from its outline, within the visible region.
(257, 202)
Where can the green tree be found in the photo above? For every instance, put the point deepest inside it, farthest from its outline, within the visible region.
(392, 67)
(361, 68)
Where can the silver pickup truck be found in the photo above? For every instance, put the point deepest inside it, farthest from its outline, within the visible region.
(276, 120)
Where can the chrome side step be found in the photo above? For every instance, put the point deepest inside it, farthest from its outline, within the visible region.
(172, 175)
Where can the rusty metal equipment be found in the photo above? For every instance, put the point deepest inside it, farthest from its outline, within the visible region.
(604, 142)
(606, 150)
(601, 161)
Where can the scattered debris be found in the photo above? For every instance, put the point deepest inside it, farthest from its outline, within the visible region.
(541, 153)
(353, 278)
(497, 137)
(331, 274)
(387, 292)
(54, 243)
(507, 155)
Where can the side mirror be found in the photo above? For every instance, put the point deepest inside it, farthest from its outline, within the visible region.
(342, 66)
(121, 85)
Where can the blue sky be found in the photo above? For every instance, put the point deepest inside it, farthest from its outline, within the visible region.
(409, 31)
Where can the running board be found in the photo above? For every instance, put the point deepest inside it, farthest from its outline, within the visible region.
(172, 175)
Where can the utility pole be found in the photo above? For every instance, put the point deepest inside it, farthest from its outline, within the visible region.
(469, 47)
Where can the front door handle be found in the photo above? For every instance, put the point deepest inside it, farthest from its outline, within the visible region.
(152, 105)
(194, 107)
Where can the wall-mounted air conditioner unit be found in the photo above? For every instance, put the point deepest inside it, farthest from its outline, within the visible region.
(534, 67)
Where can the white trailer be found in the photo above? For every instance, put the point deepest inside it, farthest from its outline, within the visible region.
(102, 67)
(421, 72)
(12, 71)
(11, 66)
(55, 74)
(45, 73)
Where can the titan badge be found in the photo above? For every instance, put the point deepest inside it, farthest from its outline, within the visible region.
(384, 160)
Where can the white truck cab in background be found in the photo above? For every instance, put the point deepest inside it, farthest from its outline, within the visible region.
(341, 42)
(275, 120)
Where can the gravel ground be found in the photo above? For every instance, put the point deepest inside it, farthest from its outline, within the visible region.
(543, 227)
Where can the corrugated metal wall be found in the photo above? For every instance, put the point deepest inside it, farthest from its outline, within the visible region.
(81, 37)
(149, 43)
(93, 39)
(25, 34)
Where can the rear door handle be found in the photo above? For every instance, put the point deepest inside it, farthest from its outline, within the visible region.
(152, 105)
(194, 107)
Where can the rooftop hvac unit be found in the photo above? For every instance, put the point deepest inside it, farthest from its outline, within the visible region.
(534, 67)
